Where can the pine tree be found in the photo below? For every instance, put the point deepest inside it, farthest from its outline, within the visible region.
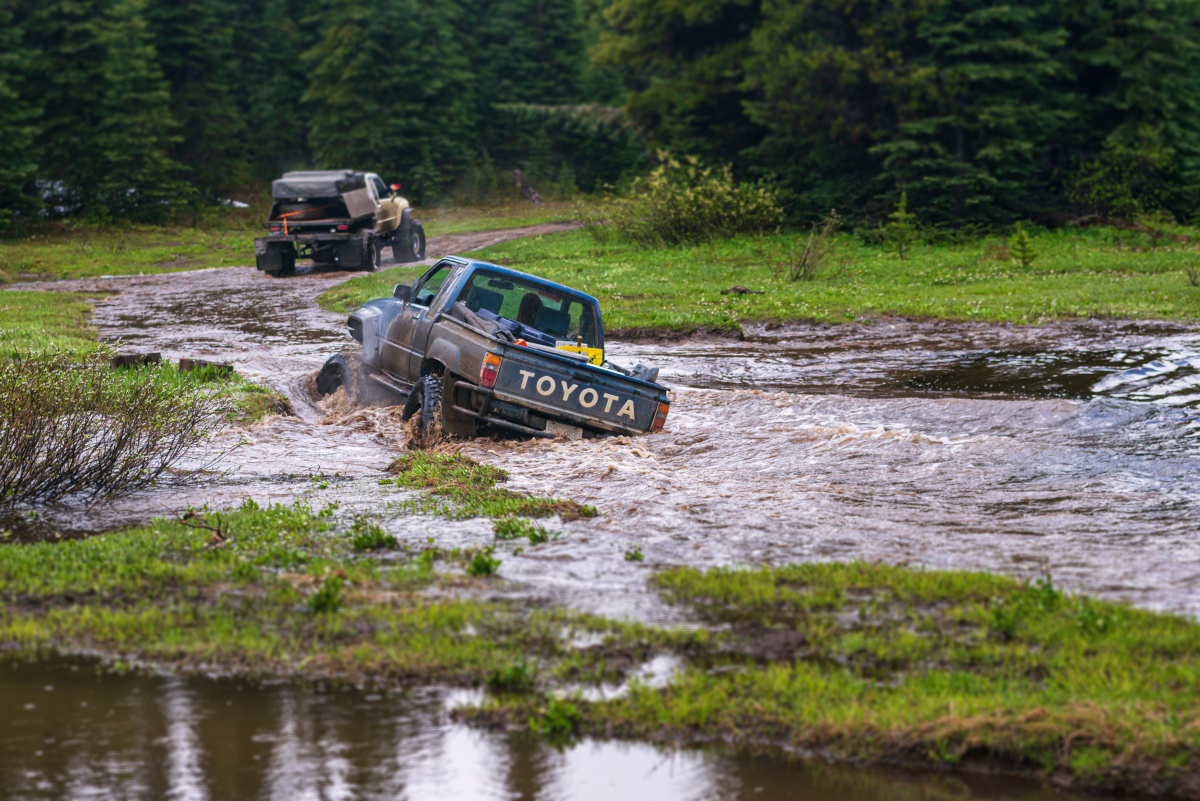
(136, 131)
(19, 118)
(390, 83)
(901, 231)
(195, 45)
(1020, 247)
(106, 127)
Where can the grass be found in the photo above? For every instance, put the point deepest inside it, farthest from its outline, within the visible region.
(1077, 274)
(90, 253)
(862, 661)
(271, 590)
(514, 214)
(870, 662)
(45, 322)
(460, 488)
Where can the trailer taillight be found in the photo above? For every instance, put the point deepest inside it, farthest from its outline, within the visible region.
(343, 227)
(274, 229)
(489, 371)
(660, 417)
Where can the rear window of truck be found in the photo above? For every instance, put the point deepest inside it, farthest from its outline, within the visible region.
(558, 315)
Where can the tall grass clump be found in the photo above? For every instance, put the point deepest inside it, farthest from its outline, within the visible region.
(687, 203)
(82, 429)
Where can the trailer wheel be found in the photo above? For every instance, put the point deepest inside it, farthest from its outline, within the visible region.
(425, 404)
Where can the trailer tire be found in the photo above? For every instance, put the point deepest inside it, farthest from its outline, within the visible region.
(425, 404)
(338, 371)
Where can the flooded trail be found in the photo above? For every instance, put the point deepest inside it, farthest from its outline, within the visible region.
(1068, 448)
(1072, 449)
(273, 332)
(70, 734)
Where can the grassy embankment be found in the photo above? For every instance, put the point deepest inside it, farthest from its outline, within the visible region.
(70, 252)
(1077, 274)
(862, 661)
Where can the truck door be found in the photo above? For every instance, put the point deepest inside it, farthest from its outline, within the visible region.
(423, 323)
(397, 353)
(386, 216)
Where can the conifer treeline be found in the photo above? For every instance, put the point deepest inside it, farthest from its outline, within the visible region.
(119, 107)
(979, 111)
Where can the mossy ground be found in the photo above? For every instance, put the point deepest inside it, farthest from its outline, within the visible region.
(1078, 273)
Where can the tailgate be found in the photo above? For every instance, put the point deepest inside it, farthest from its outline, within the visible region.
(601, 397)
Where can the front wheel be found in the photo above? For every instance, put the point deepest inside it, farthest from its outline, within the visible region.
(338, 372)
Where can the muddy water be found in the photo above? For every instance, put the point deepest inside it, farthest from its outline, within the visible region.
(1072, 449)
(66, 733)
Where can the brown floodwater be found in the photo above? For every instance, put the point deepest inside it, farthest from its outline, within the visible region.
(67, 732)
(1070, 448)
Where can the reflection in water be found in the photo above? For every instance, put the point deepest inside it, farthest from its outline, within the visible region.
(66, 733)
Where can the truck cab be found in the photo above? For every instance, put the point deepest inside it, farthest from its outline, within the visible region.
(486, 346)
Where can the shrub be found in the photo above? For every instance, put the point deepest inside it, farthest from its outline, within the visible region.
(82, 429)
(1021, 247)
(483, 563)
(366, 536)
(685, 203)
(804, 264)
(511, 528)
(328, 598)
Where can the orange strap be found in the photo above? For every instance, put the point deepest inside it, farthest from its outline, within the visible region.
(294, 213)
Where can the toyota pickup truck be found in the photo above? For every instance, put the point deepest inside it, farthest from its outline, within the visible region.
(472, 347)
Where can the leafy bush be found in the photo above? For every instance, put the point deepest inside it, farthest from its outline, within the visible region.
(328, 598)
(84, 430)
(483, 563)
(685, 203)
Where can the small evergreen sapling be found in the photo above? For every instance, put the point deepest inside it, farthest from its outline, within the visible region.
(1021, 247)
(901, 231)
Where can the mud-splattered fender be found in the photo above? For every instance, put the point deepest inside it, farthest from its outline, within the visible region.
(445, 353)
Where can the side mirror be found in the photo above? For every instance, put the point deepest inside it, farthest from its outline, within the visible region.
(402, 292)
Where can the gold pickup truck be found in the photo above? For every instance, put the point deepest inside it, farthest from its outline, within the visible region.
(341, 218)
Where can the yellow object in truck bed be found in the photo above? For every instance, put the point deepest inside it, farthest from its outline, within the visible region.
(595, 355)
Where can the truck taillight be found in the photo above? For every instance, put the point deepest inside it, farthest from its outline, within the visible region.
(660, 417)
(489, 371)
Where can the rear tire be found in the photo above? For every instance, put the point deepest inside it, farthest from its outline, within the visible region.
(338, 371)
(425, 404)
(373, 257)
(416, 242)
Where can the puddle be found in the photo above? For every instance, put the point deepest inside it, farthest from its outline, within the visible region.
(67, 733)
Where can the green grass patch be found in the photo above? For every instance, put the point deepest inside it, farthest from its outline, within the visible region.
(465, 219)
(70, 252)
(459, 488)
(280, 590)
(1077, 273)
(247, 401)
(45, 322)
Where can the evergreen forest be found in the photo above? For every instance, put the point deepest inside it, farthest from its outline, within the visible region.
(978, 112)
